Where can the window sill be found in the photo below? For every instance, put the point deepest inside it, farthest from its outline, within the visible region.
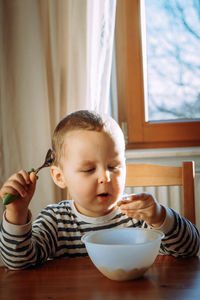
(155, 153)
(166, 156)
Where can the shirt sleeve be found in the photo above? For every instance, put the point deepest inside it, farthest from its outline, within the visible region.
(21, 246)
(181, 236)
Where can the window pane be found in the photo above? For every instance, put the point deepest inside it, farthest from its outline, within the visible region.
(173, 59)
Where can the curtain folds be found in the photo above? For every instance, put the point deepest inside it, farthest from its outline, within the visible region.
(100, 35)
(55, 58)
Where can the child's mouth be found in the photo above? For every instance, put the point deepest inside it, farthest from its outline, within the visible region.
(103, 196)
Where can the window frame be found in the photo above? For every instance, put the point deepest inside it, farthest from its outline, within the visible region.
(130, 89)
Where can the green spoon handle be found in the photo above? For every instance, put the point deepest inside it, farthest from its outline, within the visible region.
(9, 198)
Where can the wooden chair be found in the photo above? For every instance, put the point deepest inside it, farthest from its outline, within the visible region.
(143, 175)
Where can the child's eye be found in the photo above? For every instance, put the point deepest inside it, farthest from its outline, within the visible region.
(89, 170)
(112, 167)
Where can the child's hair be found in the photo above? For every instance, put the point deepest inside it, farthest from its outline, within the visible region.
(81, 119)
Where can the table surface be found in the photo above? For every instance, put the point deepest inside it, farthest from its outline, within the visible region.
(78, 278)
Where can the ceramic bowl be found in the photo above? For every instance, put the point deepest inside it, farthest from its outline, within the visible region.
(123, 253)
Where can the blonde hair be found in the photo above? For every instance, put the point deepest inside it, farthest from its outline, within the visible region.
(86, 120)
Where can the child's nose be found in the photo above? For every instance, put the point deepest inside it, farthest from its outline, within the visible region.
(104, 177)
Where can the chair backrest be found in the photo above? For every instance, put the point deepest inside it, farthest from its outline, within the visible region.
(142, 175)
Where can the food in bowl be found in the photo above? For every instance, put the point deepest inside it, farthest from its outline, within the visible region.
(123, 253)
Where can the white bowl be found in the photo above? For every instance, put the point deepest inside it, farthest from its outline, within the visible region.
(123, 253)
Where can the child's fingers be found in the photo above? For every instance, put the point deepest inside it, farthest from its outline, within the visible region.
(22, 177)
(33, 177)
(140, 196)
(17, 184)
(121, 202)
(25, 176)
(15, 187)
(7, 190)
(136, 202)
(29, 180)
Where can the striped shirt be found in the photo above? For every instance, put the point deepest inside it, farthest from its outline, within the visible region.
(59, 227)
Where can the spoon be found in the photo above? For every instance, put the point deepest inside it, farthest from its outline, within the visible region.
(48, 161)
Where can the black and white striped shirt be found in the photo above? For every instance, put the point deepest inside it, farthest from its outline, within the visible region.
(59, 227)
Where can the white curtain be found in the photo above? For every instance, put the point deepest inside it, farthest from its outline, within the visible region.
(100, 35)
(55, 57)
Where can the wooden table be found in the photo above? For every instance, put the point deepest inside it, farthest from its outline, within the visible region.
(78, 278)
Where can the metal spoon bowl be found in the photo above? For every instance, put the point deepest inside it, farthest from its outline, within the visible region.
(48, 160)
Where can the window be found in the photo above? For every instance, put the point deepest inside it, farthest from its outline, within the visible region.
(158, 97)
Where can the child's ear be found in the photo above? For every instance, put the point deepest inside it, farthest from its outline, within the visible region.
(58, 177)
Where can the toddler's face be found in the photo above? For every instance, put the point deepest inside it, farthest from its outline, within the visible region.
(93, 171)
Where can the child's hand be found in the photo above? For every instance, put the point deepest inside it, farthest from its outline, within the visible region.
(23, 185)
(144, 207)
